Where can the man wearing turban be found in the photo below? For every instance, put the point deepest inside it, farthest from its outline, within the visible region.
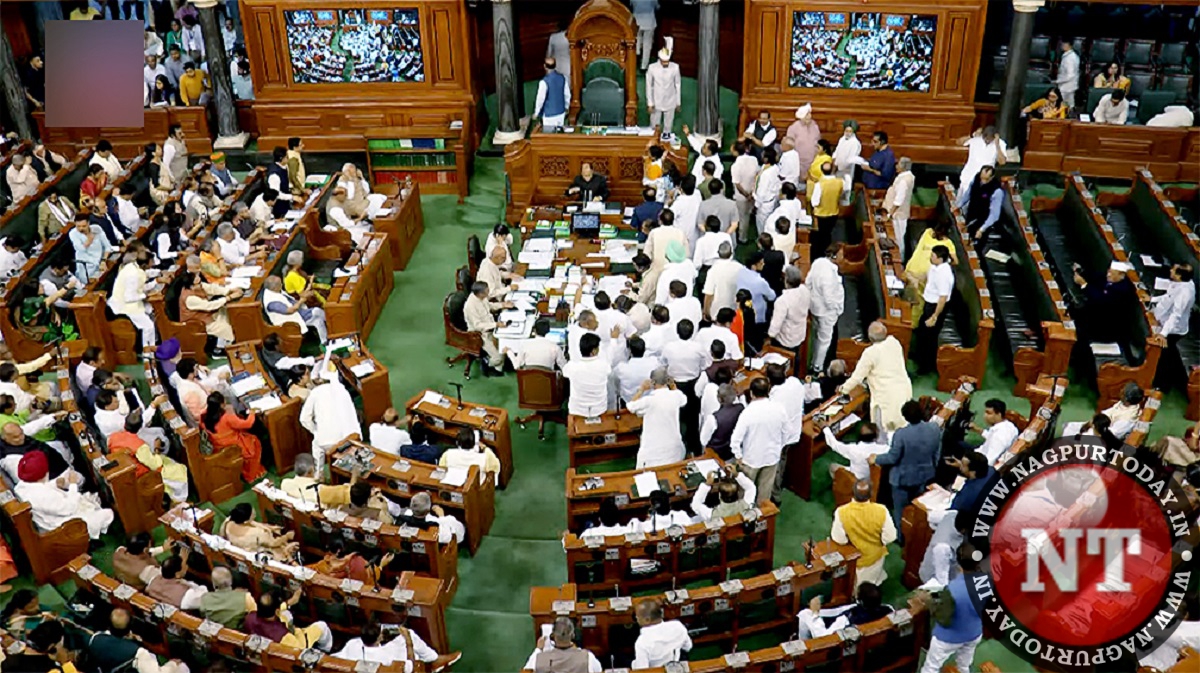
(56, 502)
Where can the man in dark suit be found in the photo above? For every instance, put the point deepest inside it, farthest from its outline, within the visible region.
(588, 185)
(1107, 303)
(913, 458)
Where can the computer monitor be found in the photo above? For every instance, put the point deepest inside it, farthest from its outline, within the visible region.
(586, 224)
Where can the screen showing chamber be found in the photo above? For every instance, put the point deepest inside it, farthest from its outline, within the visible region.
(862, 50)
(355, 45)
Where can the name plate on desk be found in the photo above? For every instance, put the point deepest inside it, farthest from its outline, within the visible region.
(952, 404)
(164, 611)
(714, 524)
(488, 436)
(88, 572)
(1069, 324)
(593, 541)
(477, 412)
(562, 607)
(783, 574)
(209, 628)
(621, 499)
(677, 596)
(1153, 403)
(937, 420)
(366, 666)
(978, 273)
(402, 596)
(1028, 436)
(407, 532)
(438, 474)
(351, 586)
(124, 592)
(401, 466)
(1035, 247)
(371, 525)
(635, 538)
(737, 659)
(1052, 284)
(439, 423)
(592, 420)
(793, 648)
(677, 667)
(335, 515)
(732, 587)
(834, 559)
(610, 438)
(620, 603)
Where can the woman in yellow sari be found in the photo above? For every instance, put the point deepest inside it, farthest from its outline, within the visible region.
(1111, 78)
(1049, 106)
(297, 280)
(918, 265)
(814, 170)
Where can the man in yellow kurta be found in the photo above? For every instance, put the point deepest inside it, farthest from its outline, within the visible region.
(869, 527)
(174, 475)
(882, 368)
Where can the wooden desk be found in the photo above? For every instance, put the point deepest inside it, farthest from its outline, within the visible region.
(128, 141)
(403, 226)
(541, 168)
(1109, 151)
(156, 622)
(610, 436)
(374, 388)
(797, 476)
(217, 475)
(345, 605)
(288, 438)
(584, 505)
(416, 550)
(445, 419)
(712, 614)
(699, 551)
(355, 302)
(473, 503)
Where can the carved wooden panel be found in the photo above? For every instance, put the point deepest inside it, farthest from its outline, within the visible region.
(955, 40)
(771, 24)
(631, 168)
(556, 167)
(442, 33)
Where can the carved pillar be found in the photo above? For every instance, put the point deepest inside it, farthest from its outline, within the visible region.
(229, 136)
(1011, 101)
(508, 118)
(14, 91)
(708, 116)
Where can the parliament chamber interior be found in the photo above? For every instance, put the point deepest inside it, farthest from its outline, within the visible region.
(582, 335)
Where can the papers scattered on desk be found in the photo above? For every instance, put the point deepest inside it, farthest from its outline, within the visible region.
(286, 363)
(895, 283)
(240, 283)
(846, 423)
(512, 315)
(431, 397)
(644, 484)
(613, 285)
(519, 329)
(538, 245)
(1162, 284)
(266, 402)
(997, 256)
(936, 499)
(523, 305)
(248, 271)
(343, 342)
(537, 261)
(455, 476)
(383, 212)
(249, 384)
(362, 369)
(1148, 260)
(706, 466)
(1106, 349)
(294, 214)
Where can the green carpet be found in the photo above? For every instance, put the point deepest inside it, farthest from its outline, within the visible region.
(489, 618)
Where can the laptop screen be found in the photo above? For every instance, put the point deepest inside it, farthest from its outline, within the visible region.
(586, 224)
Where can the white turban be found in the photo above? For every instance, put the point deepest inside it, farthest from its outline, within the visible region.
(664, 54)
(804, 111)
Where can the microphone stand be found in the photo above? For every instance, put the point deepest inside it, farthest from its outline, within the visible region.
(458, 389)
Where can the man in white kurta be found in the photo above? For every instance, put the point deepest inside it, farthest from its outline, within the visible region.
(53, 503)
(335, 210)
(590, 376)
(662, 92)
(882, 369)
(657, 403)
(329, 415)
(828, 300)
(128, 297)
(898, 201)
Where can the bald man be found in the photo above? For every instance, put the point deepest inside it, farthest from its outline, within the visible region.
(388, 434)
(556, 652)
(883, 370)
(491, 273)
(113, 648)
(224, 604)
(869, 528)
(659, 642)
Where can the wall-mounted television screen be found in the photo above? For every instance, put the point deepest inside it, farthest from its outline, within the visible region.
(355, 45)
(862, 50)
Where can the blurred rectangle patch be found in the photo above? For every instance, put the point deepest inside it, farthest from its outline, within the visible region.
(94, 73)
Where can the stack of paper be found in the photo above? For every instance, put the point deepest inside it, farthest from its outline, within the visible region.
(1106, 349)
(248, 271)
(431, 397)
(455, 476)
(266, 402)
(363, 368)
(250, 383)
(706, 466)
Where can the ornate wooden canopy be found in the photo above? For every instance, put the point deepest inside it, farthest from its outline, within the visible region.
(603, 29)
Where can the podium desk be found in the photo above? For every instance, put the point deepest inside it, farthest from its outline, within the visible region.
(403, 226)
(444, 420)
(797, 476)
(373, 386)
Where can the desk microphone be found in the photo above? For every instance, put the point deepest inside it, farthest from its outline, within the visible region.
(317, 488)
(458, 388)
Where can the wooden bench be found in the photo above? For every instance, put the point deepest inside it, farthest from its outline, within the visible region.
(797, 474)
(719, 614)
(345, 605)
(161, 626)
(404, 225)
(1075, 217)
(355, 302)
(612, 435)
(679, 480)
(416, 550)
(473, 503)
(955, 358)
(443, 420)
(217, 475)
(677, 556)
(20, 219)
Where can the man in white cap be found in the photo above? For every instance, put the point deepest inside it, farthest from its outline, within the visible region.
(804, 133)
(663, 92)
(1107, 300)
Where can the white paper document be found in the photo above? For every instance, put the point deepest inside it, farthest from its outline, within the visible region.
(645, 484)
(286, 363)
(266, 403)
(362, 369)
(706, 466)
(248, 384)
(455, 476)
(431, 397)
(1106, 349)
(248, 271)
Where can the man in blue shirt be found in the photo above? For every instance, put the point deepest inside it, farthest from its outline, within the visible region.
(750, 279)
(881, 167)
(974, 466)
(913, 458)
(421, 450)
(646, 211)
(962, 635)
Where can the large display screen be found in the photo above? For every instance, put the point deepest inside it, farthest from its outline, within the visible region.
(862, 50)
(355, 45)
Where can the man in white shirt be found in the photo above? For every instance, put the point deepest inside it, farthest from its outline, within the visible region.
(939, 285)
(742, 173)
(477, 313)
(789, 162)
(898, 201)
(610, 320)
(539, 351)
(657, 402)
(261, 209)
(387, 435)
(53, 503)
(662, 330)
(999, 434)
(686, 207)
(766, 188)
(789, 322)
(790, 208)
(235, 250)
(663, 87)
(659, 643)
(556, 651)
(127, 211)
(129, 294)
(357, 226)
(828, 298)
(21, 177)
(370, 647)
(720, 331)
(721, 284)
(152, 70)
(103, 156)
(705, 251)
(110, 419)
(859, 453)
(490, 272)
(686, 359)
(1113, 108)
(550, 105)
(683, 304)
(1068, 73)
(938, 564)
(758, 439)
(12, 258)
(589, 376)
(706, 149)
(678, 268)
(984, 148)
(329, 415)
(1173, 311)
(632, 373)
(421, 507)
